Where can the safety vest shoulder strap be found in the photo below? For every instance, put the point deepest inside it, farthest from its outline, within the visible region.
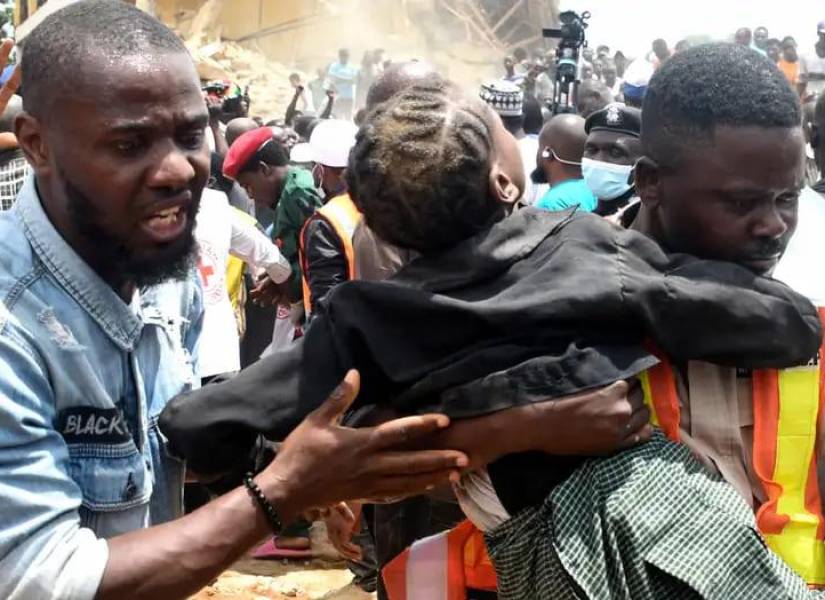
(662, 398)
(343, 217)
(788, 405)
(441, 567)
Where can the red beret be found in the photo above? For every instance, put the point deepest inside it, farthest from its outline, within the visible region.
(244, 148)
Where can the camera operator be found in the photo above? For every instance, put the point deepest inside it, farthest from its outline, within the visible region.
(571, 38)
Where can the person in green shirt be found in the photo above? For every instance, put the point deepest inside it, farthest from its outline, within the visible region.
(260, 164)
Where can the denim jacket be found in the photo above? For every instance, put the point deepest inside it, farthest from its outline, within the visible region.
(83, 377)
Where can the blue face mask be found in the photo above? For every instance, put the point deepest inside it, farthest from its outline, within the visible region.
(606, 180)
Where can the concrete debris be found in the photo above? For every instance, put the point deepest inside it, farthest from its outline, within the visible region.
(268, 80)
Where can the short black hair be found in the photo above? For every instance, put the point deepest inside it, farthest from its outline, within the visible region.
(533, 119)
(305, 125)
(273, 153)
(709, 86)
(420, 167)
(513, 123)
(55, 51)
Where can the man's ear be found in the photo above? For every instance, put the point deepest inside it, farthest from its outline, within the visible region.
(266, 170)
(648, 182)
(502, 187)
(29, 132)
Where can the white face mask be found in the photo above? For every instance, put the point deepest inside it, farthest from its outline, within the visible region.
(318, 176)
(606, 180)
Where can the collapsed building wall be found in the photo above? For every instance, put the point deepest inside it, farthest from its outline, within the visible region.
(260, 42)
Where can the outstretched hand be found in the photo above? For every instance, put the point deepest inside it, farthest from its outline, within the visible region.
(322, 462)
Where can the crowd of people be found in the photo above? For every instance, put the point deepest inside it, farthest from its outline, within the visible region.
(503, 347)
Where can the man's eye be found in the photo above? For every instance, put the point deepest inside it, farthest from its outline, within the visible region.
(192, 140)
(128, 146)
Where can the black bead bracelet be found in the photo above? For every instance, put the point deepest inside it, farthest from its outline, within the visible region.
(266, 505)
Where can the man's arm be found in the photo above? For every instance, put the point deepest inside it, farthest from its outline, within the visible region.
(215, 107)
(590, 423)
(324, 262)
(330, 103)
(44, 553)
(254, 248)
(291, 109)
(318, 465)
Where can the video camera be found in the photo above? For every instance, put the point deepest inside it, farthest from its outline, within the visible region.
(572, 38)
(234, 101)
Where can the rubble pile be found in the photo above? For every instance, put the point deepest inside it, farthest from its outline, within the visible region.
(268, 80)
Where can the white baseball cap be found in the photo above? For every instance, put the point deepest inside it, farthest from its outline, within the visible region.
(331, 142)
(301, 153)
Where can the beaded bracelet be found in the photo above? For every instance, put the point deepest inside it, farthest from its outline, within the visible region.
(266, 505)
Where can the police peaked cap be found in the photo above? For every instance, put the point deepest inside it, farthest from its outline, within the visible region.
(616, 117)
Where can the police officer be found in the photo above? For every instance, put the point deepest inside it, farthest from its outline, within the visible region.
(610, 153)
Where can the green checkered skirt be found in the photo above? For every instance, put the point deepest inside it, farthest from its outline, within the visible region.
(647, 523)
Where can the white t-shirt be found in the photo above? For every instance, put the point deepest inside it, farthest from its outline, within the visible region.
(220, 231)
(529, 147)
(815, 64)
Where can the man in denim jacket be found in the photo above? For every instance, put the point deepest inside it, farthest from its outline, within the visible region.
(99, 321)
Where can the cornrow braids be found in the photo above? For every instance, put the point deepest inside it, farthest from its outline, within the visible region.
(420, 168)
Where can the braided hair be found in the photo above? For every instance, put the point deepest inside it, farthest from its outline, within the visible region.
(420, 168)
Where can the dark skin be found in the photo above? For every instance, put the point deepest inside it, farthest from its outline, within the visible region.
(743, 37)
(138, 138)
(613, 147)
(590, 423)
(564, 134)
(331, 178)
(265, 184)
(134, 146)
(760, 37)
(734, 198)
(237, 127)
(214, 105)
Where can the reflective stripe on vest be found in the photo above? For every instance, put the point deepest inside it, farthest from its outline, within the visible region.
(662, 399)
(441, 567)
(787, 405)
(343, 216)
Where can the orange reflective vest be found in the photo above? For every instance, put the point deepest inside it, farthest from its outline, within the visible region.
(441, 567)
(343, 217)
(787, 406)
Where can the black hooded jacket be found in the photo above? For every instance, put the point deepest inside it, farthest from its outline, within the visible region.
(542, 305)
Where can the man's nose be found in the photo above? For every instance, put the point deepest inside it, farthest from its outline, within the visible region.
(769, 223)
(174, 170)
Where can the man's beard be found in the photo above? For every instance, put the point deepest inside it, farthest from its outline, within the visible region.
(117, 264)
(538, 176)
